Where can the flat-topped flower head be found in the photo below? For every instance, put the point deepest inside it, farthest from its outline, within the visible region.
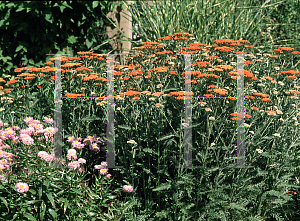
(72, 154)
(81, 160)
(103, 171)
(104, 163)
(28, 120)
(77, 144)
(128, 188)
(73, 165)
(42, 153)
(48, 157)
(22, 187)
(48, 120)
(71, 139)
(50, 130)
(10, 133)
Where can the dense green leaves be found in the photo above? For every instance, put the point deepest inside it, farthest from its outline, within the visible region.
(72, 31)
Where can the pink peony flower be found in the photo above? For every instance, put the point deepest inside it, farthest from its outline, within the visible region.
(104, 163)
(10, 134)
(3, 161)
(128, 188)
(42, 153)
(28, 140)
(72, 154)
(36, 122)
(8, 155)
(71, 139)
(108, 175)
(2, 167)
(47, 157)
(50, 130)
(16, 128)
(94, 147)
(77, 144)
(81, 160)
(103, 171)
(21, 187)
(28, 120)
(1, 123)
(48, 120)
(73, 165)
(2, 153)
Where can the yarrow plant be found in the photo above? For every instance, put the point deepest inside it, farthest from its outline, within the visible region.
(150, 138)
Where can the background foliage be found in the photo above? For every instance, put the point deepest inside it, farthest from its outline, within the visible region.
(210, 20)
(31, 29)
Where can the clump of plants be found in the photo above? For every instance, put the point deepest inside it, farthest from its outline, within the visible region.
(150, 123)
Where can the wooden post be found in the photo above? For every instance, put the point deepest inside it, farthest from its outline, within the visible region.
(125, 25)
(123, 20)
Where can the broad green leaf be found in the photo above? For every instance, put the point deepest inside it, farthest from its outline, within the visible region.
(4, 201)
(88, 43)
(51, 199)
(46, 183)
(95, 4)
(10, 5)
(163, 186)
(29, 217)
(49, 18)
(62, 8)
(53, 213)
(20, 9)
(72, 39)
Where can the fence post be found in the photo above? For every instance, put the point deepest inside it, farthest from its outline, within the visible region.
(120, 45)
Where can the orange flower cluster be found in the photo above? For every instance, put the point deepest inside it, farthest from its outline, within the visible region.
(201, 64)
(74, 95)
(220, 91)
(290, 72)
(290, 192)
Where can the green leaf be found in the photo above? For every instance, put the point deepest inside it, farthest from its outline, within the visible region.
(40, 191)
(91, 118)
(46, 183)
(72, 39)
(124, 127)
(165, 137)
(10, 5)
(76, 191)
(62, 8)
(95, 4)
(88, 43)
(49, 18)
(163, 186)
(4, 201)
(29, 217)
(32, 191)
(51, 199)
(53, 213)
(14, 217)
(42, 210)
(20, 9)
(30, 202)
